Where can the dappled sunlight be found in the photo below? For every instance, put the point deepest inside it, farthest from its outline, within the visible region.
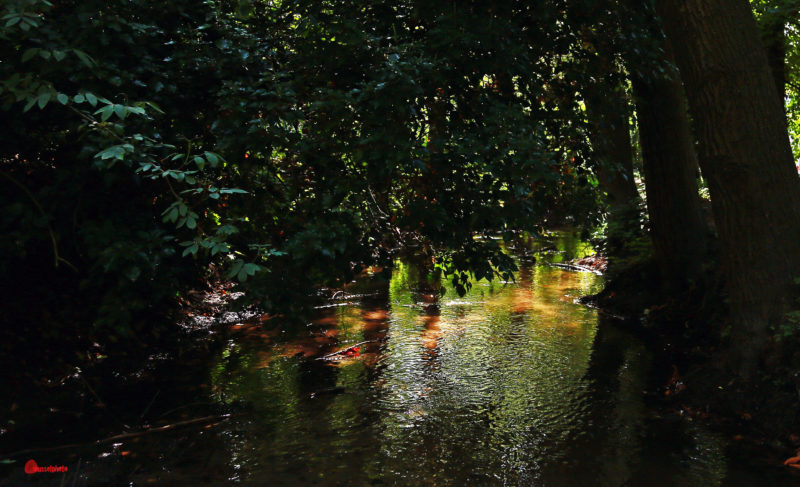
(421, 387)
(432, 331)
(508, 353)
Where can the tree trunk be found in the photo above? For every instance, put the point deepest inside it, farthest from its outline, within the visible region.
(677, 226)
(608, 112)
(745, 154)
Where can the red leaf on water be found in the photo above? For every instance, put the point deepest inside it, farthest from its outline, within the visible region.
(792, 462)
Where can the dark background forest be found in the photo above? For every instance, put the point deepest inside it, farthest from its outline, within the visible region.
(151, 150)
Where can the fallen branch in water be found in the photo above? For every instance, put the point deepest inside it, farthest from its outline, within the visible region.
(573, 267)
(331, 390)
(344, 296)
(126, 436)
(344, 351)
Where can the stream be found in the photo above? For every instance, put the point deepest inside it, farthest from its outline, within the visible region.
(512, 384)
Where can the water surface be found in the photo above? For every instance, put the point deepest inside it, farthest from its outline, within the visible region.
(512, 384)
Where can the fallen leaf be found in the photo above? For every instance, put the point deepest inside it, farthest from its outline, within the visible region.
(792, 462)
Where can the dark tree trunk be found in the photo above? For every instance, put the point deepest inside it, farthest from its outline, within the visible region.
(745, 154)
(608, 112)
(677, 227)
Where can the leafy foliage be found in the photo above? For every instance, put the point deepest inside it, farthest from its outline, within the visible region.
(291, 143)
(786, 14)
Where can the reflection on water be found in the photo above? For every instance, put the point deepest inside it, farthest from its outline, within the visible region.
(509, 385)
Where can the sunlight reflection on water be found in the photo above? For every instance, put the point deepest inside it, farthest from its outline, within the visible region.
(508, 385)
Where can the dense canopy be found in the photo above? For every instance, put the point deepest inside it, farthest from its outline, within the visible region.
(287, 145)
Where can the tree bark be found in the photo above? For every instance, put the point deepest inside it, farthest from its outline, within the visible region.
(608, 112)
(677, 227)
(746, 156)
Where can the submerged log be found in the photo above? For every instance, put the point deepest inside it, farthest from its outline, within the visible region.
(576, 268)
(344, 351)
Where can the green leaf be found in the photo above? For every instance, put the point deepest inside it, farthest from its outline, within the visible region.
(106, 154)
(29, 54)
(211, 158)
(171, 215)
(29, 105)
(120, 111)
(59, 55)
(220, 247)
(192, 249)
(237, 266)
(191, 223)
(201, 163)
(44, 54)
(154, 107)
(43, 99)
(91, 99)
(105, 112)
(251, 268)
(79, 99)
(62, 98)
(85, 59)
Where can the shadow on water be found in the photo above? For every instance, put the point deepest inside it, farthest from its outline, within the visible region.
(511, 384)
